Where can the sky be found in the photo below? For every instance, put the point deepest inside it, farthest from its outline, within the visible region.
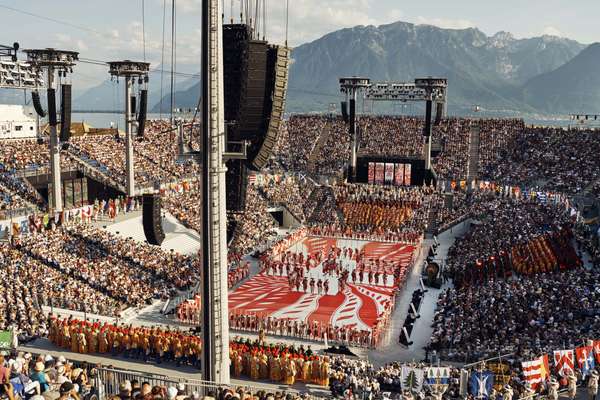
(112, 29)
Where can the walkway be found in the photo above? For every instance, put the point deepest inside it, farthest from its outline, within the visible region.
(392, 350)
(178, 238)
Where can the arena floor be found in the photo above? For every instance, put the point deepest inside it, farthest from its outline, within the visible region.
(358, 305)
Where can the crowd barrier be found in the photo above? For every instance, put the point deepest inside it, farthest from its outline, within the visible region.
(107, 382)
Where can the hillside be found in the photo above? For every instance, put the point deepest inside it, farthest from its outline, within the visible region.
(571, 88)
(481, 69)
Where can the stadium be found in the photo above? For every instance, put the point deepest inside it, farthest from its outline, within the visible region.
(243, 250)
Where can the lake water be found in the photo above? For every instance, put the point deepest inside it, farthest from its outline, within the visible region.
(104, 120)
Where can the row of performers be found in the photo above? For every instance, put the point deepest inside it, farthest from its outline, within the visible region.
(145, 343)
(549, 252)
(277, 364)
(327, 255)
(314, 330)
(374, 234)
(257, 361)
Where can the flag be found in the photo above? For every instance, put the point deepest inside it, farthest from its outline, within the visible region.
(481, 384)
(536, 371)
(252, 179)
(542, 197)
(437, 376)
(564, 361)
(412, 379)
(585, 359)
(597, 350)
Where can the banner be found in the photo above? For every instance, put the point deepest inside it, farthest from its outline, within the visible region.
(5, 340)
(536, 372)
(407, 174)
(412, 379)
(502, 374)
(379, 173)
(371, 173)
(585, 359)
(389, 173)
(399, 175)
(564, 362)
(481, 384)
(437, 376)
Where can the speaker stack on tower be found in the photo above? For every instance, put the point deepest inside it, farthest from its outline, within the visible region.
(274, 99)
(256, 76)
(65, 114)
(151, 219)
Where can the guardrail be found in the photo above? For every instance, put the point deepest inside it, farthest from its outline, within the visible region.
(107, 382)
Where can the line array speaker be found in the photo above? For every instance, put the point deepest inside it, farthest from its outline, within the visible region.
(51, 94)
(439, 112)
(142, 113)
(37, 104)
(281, 72)
(151, 219)
(345, 111)
(65, 113)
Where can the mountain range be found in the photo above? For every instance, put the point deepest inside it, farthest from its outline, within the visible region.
(490, 71)
(500, 73)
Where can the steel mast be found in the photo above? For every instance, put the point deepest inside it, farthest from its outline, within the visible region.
(215, 322)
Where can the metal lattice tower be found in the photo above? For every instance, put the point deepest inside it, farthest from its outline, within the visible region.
(132, 71)
(350, 87)
(430, 90)
(54, 62)
(215, 327)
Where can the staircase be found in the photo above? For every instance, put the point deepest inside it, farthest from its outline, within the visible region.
(93, 168)
(318, 145)
(33, 191)
(432, 222)
(473, 163)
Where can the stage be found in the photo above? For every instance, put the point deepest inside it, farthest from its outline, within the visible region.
(358, 304)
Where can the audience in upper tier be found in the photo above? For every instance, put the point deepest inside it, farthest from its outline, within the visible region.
(508, 229)
(321, 144)
(555, 158)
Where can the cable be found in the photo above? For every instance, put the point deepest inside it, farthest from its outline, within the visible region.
(58, 21)
(162, 58)
(172, 59)
(287, 20)
(144, 27)
(152, 71)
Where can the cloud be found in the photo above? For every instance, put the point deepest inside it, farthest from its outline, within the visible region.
(65, 41)
(552, 31)
(446, 23)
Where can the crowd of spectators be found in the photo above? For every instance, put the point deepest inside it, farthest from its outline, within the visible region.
(390, 136)
(185, 205)
(28, 154)
(523, 316)
(496, 135)
(291, 192)
(156, 155)
(503, 225)
(82, 268)
(254, 226)
(296, 141)
(43, 376)
(556, 158)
